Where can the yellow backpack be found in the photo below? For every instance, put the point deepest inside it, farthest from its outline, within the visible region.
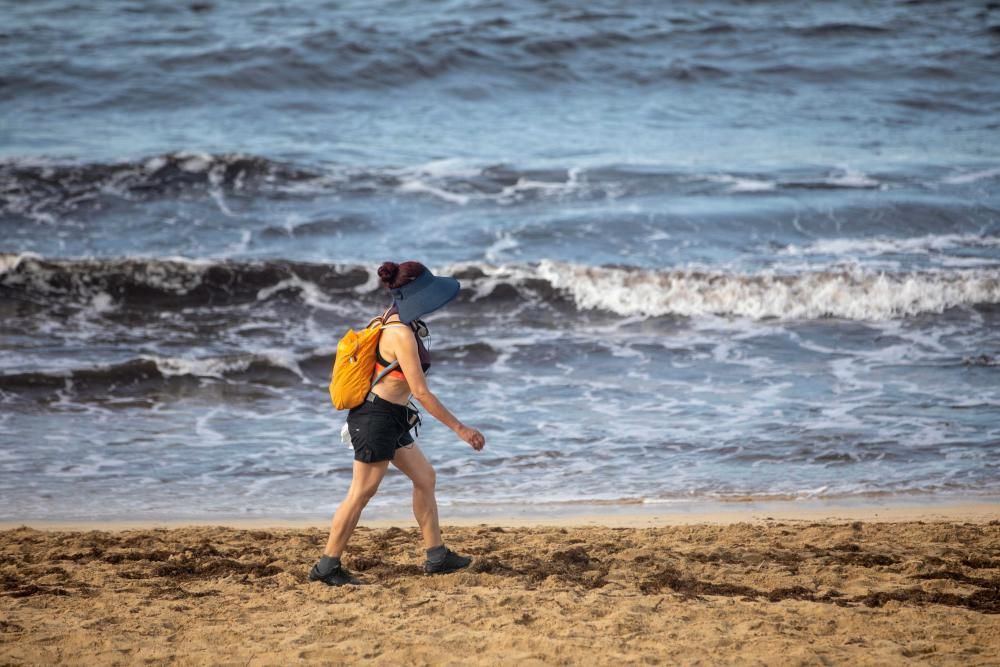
(351, 379)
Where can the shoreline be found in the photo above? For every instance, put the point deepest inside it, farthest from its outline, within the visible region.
(979, 510)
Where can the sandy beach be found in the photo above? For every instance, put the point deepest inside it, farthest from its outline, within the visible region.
(711, 290)
(779, 591)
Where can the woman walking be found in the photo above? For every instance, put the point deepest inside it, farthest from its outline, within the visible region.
(380, 426)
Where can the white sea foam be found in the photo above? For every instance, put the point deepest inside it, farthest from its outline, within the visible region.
(154, 164)
(972, 176)
(238, 247)
(881, 245)
(743, 184)
(282, 358)
(210, 367)
(853, 293)
(174, 274)
(417, 185)
(439, 178)
(750, 185)
(207, 436)
(10, 261)
(850, 178)
(102, 302)
(310, 293)
(194, 163)
(504, 243)
(372, 282)
(218, 367)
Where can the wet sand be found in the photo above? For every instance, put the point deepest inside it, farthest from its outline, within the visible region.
(619, 515)
(766, 592)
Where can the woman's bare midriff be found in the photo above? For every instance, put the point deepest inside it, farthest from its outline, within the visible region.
(393, 390)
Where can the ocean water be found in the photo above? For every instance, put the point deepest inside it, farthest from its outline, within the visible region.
(709, 251)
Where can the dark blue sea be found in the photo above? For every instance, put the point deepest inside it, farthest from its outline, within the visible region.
(710, 251)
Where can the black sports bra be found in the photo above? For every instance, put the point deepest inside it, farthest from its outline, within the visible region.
(381, 363)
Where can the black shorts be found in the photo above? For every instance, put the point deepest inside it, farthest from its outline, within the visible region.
(378, 428)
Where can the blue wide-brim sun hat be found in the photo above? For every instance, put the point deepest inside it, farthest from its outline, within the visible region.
(424, 295)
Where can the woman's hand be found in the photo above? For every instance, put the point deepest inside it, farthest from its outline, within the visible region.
(471, 436)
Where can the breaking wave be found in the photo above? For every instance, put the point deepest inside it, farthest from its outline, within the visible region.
(153, 370)
(847, 293)
(838, 292)
(173, 282)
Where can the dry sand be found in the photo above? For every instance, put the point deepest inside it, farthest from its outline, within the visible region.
(777, 592)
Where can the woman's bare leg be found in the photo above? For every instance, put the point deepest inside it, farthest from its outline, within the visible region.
(364, 484)
(415, 465)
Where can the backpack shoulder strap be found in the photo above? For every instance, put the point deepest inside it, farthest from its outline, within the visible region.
(378, 319)
(385, 371)
(395, 364)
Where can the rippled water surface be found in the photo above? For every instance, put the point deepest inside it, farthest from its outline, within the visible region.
(708, 250)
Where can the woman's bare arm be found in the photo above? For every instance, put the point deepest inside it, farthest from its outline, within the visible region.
(404, 344)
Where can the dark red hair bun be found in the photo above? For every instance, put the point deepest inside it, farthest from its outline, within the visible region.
(388, 273)
(396, 275)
